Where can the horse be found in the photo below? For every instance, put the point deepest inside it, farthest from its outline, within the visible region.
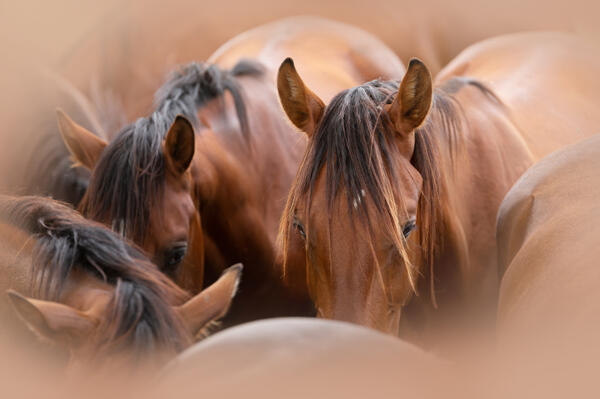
(547, 243)
(548, 311)
(300, 357)
(395, 201)
(78, 285)
(203, 179)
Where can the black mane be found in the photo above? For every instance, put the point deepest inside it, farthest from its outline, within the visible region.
(140, 314)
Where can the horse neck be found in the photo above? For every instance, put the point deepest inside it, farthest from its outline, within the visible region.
(264, 161)
(478, 162)
(232, 208)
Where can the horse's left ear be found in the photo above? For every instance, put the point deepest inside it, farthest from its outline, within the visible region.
(85, 147)
(303, 107)
(179, 145)
(213, 302)
(411, 106)
(52, 321)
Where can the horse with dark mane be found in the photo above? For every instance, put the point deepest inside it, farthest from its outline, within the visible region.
(395, 201)
(92, 293)
(203, 179)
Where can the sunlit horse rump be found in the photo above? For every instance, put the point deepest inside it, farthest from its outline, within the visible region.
(399, 187)
(208, 186)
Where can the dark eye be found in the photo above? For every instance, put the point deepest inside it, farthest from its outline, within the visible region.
(408, 228)
(299, 227)
(173, 257)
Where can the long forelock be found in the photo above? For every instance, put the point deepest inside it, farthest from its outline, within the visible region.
(354, 143)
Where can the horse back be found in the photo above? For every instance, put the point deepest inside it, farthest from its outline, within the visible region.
(330, 56)
(547, 232)
(547, 80)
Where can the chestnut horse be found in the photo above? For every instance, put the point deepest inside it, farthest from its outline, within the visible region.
(548, 232)
(205, 176)
(91, 293)
(387, 159)
(549, 306)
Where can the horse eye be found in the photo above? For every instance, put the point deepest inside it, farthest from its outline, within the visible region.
(408, 228)
(299, 227)
(174, 256)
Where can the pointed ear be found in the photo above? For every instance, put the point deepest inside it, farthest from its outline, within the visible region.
(85, 147)
(411, 105)
(302, 106)
(212, 303)
(52, 320)
(179, 145)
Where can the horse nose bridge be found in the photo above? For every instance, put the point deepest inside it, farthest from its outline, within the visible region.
(353, 308)
(360, 298)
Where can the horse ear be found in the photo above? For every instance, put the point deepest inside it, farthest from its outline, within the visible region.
(411, 106)
(52, 321)
(85, 147)
(179, 145)
(302, 106)
(213, 302)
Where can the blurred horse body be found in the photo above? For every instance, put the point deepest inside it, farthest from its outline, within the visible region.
(549, 306)
(296, 358)
(548, 229)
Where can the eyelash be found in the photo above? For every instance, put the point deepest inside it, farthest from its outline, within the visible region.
(408, 228)
(298, 226)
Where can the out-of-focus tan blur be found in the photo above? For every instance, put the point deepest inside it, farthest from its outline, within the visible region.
(118, 52)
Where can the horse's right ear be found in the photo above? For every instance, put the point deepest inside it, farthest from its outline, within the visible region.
(52, 321)
(302, 106)
(85, 147)
(411, 105)
(179, 145)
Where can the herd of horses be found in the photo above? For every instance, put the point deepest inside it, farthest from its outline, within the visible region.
(349, 186)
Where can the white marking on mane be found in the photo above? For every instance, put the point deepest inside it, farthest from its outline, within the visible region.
(358, 200)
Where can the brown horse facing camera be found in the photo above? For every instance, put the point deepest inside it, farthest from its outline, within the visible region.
(92, 294)
(399, 187)
(204, 178)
